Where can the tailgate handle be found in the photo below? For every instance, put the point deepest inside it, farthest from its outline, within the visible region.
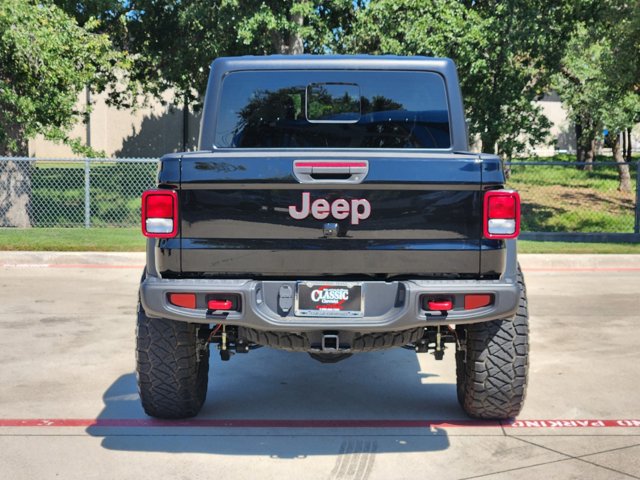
(334, 171)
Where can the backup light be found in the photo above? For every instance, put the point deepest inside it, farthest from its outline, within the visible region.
(160, 213)
(501, 214)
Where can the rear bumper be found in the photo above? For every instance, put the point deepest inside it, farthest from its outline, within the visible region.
(389, 306)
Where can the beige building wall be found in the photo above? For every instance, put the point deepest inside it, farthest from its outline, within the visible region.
(149, 131)
(563, 136)
(562, 132)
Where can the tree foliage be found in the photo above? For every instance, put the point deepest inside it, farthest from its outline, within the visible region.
(294, 27)
(509, 52)
(172, 42)
(599, 78)
(505, 52)
(46, 60)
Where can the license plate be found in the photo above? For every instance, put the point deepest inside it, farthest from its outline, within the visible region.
(316, 299)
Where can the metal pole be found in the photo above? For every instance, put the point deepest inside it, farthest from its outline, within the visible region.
(185, 124)
(87, 196)
(636, 226)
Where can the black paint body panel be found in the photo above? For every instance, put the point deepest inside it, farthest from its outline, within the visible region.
(248, 214)
(234, 219)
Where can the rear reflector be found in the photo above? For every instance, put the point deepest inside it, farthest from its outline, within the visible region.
(220, 304)
(477, 301)
(160, 213)
(442, 305)
(501, 214)
(184, 300)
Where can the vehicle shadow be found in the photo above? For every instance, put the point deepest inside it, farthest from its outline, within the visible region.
(274, 385)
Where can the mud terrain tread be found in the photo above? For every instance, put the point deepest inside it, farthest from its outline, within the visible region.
(172, 383)
(283, 340)
(492, 383)
(381, 340)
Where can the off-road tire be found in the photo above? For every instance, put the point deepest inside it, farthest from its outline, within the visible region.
(492, 372)
(172, 375)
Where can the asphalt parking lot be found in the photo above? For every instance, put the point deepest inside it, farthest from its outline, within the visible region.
(69, 407)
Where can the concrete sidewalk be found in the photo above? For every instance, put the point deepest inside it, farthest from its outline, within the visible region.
(69, 406)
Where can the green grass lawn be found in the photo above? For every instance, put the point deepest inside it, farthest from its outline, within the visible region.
(528, 246)
(72, 239)
(131, 240)
(567, 199)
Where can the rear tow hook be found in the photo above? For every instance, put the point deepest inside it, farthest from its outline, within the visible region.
(434, 339)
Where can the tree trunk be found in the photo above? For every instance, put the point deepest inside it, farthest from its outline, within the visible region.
(579, 150)
(296, 47)
(628, 155)
(185, 123)
(15, 178)
(295, 43)
(489, 140)
(278, 44)
(623, 167)
(589, 155)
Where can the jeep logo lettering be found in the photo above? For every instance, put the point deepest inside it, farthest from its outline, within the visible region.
(357, 208)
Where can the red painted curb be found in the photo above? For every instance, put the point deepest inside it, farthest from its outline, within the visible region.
(583, 269)
(95, 265)
(277, 423)
(69, 265)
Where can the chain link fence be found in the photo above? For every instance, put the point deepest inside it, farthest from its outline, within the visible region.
(556, 196)
(73, 192)
(576, 197)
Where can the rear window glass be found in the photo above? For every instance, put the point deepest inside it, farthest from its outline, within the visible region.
(332, 109)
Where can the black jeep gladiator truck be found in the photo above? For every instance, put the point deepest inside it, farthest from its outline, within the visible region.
(333, 207)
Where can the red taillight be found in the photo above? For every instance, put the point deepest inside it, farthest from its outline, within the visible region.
(477, 301)
(502, 207)
(501, 214)
(442, 305)
(160, 213)
(220, 304)
(159, 206)
(184, 300)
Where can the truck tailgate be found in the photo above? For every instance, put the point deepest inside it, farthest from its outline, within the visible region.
(424, 220)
